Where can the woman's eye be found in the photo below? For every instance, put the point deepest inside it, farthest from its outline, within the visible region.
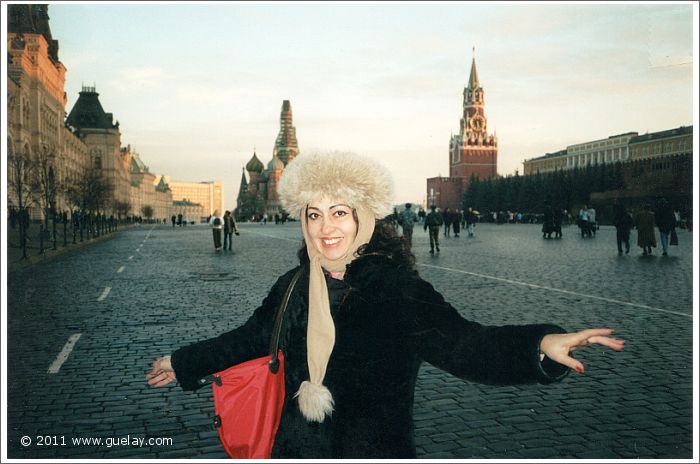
(341, 213)
(313, 216)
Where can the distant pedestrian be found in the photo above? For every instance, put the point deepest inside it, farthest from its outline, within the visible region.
(408, 219)
(179, 219)
(217, 225)
(470, 219)
(173, 219)
(558, 217)
(456, 221)
(666, 222)
(229, 229)
(447, 220)
(433, 222)
(548, 222)
(623, 223)
(645, 221)
(583, 221)
(592, 221)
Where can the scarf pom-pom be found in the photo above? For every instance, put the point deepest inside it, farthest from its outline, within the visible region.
(315, 401)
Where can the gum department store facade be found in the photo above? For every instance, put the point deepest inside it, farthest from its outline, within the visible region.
(69, 147)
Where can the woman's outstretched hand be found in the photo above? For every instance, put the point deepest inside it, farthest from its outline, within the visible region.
(558, 346)
(162, 372)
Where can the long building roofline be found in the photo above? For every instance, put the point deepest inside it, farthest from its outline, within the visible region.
(678, 131)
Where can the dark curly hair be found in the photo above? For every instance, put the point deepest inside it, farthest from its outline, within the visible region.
(385, 241)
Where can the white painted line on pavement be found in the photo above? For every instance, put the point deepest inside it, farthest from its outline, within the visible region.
(120, 270)
(131, 257)
(609, 300)
(104, 294)
(63, 355)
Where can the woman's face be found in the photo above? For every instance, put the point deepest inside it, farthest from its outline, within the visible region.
(331, 227)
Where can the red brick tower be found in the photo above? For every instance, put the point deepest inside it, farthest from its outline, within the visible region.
(473, 151)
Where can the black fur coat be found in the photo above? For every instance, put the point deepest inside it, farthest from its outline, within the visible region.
(387, 321)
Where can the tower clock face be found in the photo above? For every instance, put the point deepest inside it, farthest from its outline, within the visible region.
(477, 123)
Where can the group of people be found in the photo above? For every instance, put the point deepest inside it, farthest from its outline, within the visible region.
(587, 221)
(432, 223)
(179, 220)
(645, 221)
(225, 224)
(361, 320)
(551, 222)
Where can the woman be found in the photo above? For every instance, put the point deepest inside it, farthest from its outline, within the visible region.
(645, 222)
(360, 322)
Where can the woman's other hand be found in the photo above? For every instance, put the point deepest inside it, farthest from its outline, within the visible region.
(559, 346)
(162, 372)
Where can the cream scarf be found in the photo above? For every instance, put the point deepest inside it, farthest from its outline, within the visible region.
(315, 400)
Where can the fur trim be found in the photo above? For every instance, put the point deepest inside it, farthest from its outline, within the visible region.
(359, 180)
(315, 401)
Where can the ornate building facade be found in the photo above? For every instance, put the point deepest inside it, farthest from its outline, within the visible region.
(472, 152)
(258, 194)
(41, 150)
(49, 152)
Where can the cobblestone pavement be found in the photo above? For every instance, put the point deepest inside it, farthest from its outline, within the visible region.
(151, 289)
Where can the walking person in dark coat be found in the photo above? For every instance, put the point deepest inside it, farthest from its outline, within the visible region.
(229, 229)
(433, 222)
(360, 322)
(548, 222)
(623, 224)
(666, 222)
(447, 220)
(408, 219)
(645, 221)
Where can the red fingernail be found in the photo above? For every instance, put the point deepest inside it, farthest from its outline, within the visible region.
(579, 369)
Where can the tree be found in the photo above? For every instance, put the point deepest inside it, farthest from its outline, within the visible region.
(121, 208)
(91, 191)
(147, 210)
(45, 181)
(20, 174)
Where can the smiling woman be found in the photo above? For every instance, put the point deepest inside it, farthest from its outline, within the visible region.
(359, 323)
(331, 226)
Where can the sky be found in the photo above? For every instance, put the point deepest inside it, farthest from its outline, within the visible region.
(197, 87)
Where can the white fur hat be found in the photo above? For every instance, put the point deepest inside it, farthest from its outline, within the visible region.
(359, 180)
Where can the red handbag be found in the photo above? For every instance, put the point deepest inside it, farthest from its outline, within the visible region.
(248, 397)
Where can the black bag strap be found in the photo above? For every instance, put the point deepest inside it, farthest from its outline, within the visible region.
(274, 363)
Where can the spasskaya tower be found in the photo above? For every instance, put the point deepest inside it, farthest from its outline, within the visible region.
(473, 152)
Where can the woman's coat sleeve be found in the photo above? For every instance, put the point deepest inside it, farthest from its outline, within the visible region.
(502, 355)
(249, 341)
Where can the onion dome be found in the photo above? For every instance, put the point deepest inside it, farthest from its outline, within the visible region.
(254, 165)
(275, 164)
